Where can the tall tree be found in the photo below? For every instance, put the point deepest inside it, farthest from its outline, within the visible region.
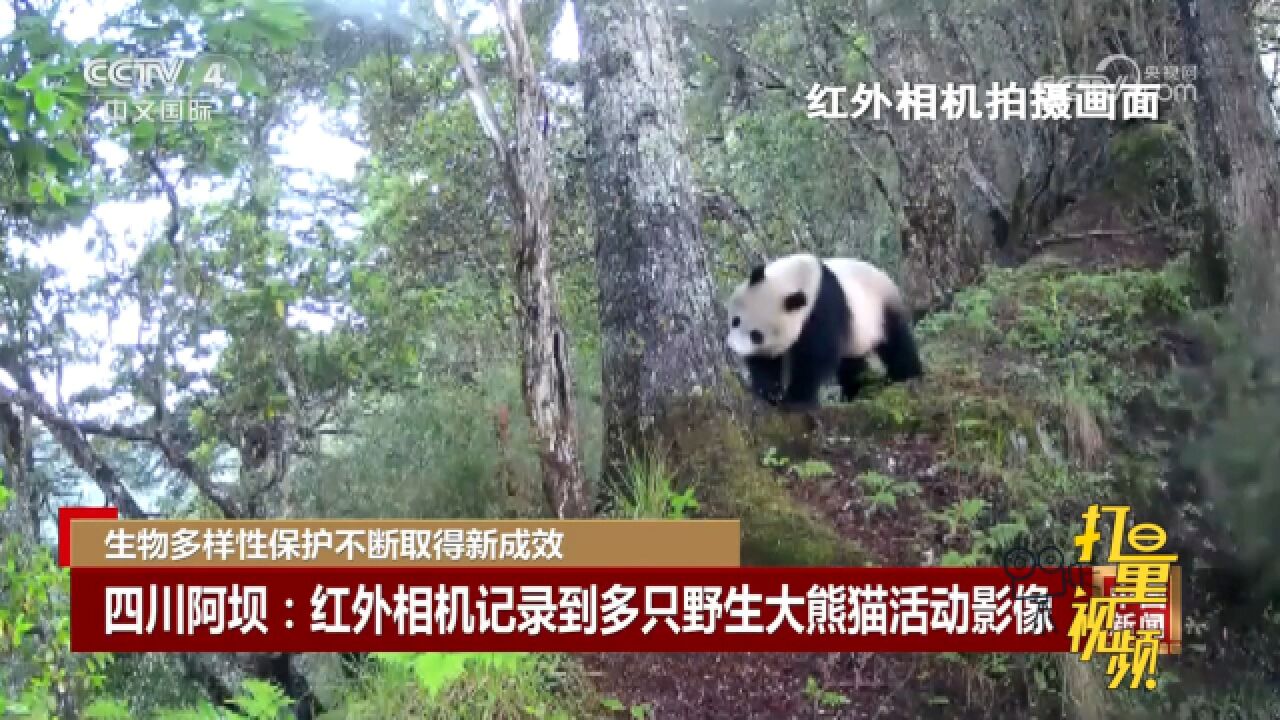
(659, 321)
(526, 171)
(1234, 459)
(1236, 140)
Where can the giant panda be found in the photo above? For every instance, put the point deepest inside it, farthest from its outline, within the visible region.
(816, 318)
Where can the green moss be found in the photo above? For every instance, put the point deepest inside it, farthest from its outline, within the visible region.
(776, 531)
(791, 433)
(1149, 161)
(715, 449)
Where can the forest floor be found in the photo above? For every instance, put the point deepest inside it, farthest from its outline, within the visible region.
(1045, 392)
(778, 685)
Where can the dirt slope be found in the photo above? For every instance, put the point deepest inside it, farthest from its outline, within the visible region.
(1021, 419)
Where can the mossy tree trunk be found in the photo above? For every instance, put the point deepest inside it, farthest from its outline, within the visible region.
(660, 320)
(1233, 462)
(1236, 138)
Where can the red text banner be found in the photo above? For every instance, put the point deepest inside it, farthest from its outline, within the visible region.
(563, 609)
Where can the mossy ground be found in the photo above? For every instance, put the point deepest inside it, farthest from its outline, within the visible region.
(1047, 389)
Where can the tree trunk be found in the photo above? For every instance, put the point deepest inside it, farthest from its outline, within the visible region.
(660, 322)
(1237, 139)
(19, 518)
(547, 378)
(545, 371)
(955, 176)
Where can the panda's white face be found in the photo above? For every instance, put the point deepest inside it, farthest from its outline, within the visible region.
(750, 333)
(766, 314)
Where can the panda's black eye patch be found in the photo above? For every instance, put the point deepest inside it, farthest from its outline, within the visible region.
(794, 301)
(757, 337)
(737, 321)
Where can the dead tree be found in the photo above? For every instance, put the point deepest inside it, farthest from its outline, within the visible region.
(547, 379)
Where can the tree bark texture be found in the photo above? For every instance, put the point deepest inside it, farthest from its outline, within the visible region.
(661, 324)
(546, 372)
(547, 378)
(956, 177)
(1236, 135)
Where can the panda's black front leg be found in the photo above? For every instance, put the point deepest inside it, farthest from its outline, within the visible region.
(850, 377)
(802, 394)
(766, 377)
(808, 372)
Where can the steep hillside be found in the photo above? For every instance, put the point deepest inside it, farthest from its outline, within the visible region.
(1049, 387)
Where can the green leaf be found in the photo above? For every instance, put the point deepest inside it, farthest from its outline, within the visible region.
(67, 151)
(252, 79)
(143, 134)
(973, 507)
(613, 704)
(15, 105)
(955, 559)
(36, 188)
(31, 80)
(45, 100)
(436, 670)
(58, 193)
(21, 626)
(813, 468)
(240, 31)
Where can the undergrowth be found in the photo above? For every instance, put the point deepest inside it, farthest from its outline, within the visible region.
(1032, 382)
(1032, 374)
(467, 685)
(651, 490)
(1032, 379)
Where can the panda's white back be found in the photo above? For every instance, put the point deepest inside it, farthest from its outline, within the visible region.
(868, 290)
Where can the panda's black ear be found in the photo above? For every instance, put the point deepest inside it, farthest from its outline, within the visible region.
(757, 275)
(795, 301)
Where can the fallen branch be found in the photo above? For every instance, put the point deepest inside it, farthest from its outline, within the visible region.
(1058, 238)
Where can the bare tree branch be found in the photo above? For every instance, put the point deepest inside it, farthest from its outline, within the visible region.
(1055, 238)
(76, 445)
(71, 435)
(471, 69)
